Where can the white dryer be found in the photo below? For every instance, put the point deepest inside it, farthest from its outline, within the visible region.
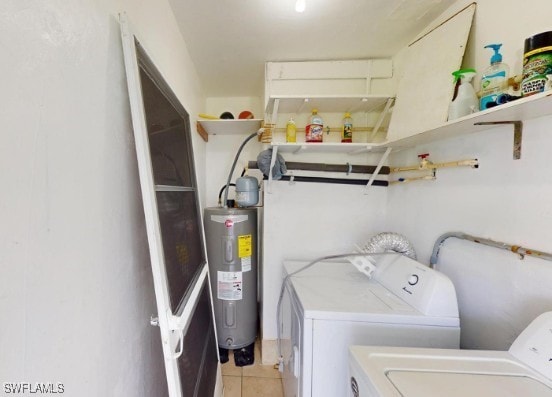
(332, 305)
(525, 370)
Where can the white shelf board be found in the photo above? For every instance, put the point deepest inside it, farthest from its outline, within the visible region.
(326, 103)
(523, 109)
(534, 106)
(327, 147)
(231, 126)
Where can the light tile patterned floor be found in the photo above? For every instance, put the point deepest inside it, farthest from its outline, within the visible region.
(252, 380)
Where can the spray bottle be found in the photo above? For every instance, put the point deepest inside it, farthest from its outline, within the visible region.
(494, 80)
(466, 101)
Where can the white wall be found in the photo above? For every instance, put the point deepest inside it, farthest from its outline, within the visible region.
(309, 220)
(504, 199)
(76, 290)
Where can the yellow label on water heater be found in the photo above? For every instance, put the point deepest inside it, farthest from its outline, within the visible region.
(244, 245)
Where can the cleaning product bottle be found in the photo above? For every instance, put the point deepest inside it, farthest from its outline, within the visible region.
(494, 80)
(291, 131)
(314, 131)
(347, 129)
(466, 101)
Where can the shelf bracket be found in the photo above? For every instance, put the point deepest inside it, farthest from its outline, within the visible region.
(380, 119)
(272, 162)
(378, 168)
(275, 111)
(518, 133)
(201, 131)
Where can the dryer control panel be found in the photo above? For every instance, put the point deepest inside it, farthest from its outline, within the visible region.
(429, 291)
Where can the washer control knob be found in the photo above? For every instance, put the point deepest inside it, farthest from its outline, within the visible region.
(413, 279)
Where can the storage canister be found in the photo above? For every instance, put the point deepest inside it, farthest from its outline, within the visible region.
(537, 63)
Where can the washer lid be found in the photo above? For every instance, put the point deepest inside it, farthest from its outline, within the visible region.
(412, 372)
(438, 384)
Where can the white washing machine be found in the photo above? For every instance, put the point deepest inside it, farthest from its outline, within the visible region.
(332, 305)
(523, 371)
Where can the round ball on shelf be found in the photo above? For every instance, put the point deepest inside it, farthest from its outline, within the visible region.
(246, 114)
(227, 116)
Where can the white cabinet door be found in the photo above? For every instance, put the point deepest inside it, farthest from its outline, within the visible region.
(426, 86)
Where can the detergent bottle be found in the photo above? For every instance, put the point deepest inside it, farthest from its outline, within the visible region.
(466, 101)
(291, 131)
(314, 131)
(494, 80)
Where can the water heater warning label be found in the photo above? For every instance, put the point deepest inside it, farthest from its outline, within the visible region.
(246, 264)
(229, 286)
(244, 245)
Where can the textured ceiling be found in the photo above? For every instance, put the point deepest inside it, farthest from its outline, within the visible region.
(230, 40)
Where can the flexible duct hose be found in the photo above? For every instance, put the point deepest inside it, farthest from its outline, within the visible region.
(389, 241)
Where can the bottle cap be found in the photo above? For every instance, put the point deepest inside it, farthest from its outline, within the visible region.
(458, 74)
(497, 56)
(347, 114)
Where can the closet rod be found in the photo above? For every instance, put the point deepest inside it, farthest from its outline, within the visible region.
(340, 181)
(346, 168)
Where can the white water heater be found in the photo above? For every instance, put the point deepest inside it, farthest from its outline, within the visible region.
(231, 238)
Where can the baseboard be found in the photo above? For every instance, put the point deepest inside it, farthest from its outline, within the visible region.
(269, 351)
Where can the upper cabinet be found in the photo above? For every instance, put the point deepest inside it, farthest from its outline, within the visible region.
(363, 88)
(327, 79)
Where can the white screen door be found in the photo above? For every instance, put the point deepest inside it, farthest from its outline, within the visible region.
(173, 221)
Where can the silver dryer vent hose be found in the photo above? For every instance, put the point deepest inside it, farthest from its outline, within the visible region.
(389, 241)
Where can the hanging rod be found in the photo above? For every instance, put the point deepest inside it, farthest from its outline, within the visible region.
(516, 249)
(339, 181)
(347, 168)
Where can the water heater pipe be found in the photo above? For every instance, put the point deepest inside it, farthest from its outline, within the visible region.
(431, 177)
(428, 165)
(516, 249)
(256, 133)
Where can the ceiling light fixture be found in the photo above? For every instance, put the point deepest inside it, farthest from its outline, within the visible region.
(300, 6)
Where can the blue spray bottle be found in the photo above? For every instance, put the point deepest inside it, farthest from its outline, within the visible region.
(494, 80)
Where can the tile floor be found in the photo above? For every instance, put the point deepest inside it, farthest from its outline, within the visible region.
(251, 380)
